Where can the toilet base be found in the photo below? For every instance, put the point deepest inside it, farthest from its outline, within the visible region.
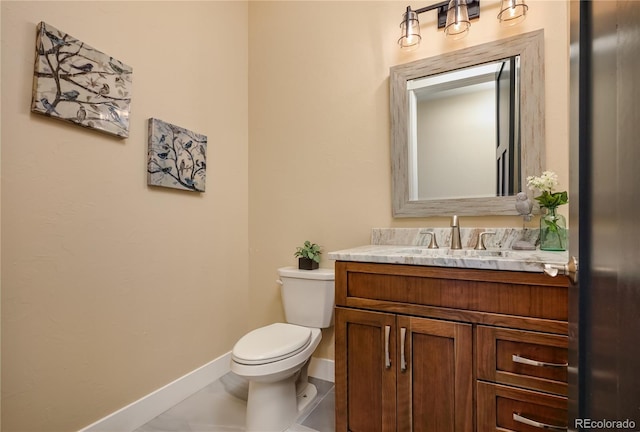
(306, 396)
(278, 391)
(271, 407)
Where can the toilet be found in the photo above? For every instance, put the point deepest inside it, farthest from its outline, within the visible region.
(275, 358)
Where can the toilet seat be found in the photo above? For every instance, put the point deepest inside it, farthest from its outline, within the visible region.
(271, 343)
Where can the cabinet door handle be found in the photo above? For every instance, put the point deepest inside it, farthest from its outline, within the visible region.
(403, 361)
(517, 417)
(387, 357)
(518, 359)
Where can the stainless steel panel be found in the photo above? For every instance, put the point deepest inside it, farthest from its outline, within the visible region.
(605, 214)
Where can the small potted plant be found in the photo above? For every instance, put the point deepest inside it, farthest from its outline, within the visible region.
(308, 256)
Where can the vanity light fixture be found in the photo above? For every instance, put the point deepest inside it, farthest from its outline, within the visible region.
(512, 12)
(454, 16)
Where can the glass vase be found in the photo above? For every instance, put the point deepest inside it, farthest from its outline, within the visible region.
(553, 231)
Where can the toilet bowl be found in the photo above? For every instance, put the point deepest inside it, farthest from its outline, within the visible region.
(275, 358)
(277, 388)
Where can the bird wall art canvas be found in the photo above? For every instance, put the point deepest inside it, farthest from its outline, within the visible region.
(176, 157)
(77, 83)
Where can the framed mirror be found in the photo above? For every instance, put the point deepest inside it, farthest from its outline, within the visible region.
(467, 128)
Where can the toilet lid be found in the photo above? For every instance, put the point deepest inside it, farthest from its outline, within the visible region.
(271, 343)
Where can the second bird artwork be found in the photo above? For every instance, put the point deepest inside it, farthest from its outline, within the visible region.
(176, 157)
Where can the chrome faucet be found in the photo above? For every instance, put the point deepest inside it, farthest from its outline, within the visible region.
(455, 233)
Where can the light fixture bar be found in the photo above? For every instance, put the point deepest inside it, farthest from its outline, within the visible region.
(443, 4)
(410, 26)
(473, 6)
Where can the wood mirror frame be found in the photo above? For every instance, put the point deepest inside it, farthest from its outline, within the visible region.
(530, 48)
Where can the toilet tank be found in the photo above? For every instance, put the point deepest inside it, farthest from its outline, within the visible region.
(308, 296)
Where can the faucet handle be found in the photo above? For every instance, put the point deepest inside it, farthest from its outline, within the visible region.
(480, 245)
(433, 243)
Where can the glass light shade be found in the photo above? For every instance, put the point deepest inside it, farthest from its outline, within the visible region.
(512, 12)
(410, 31)
(458, 24)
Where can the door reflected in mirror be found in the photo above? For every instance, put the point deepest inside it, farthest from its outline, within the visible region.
(464, 126)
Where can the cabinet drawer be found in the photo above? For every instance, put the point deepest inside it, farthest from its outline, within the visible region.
(523, 358)
(503, 408)
(505, 294)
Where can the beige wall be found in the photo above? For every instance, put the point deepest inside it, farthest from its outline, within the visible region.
(319, 124)
(297, 115)
(112, 289)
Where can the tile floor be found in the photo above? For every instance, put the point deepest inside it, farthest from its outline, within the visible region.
(221, 406)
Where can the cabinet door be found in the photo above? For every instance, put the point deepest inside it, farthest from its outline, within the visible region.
(435, 376)
(365, 371)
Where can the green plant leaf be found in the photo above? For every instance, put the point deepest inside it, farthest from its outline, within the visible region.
(551, 226)
(551, 200)
(309, 250)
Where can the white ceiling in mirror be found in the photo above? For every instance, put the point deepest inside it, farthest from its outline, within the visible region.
(455, 79)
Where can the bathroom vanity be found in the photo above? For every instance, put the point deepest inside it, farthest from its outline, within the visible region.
(449, 340)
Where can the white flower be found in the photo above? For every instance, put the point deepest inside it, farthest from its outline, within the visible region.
(546, 182)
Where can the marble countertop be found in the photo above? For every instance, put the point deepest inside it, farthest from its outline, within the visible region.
(408, 246)
(491, 259)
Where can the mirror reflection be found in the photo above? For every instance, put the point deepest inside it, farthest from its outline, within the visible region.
(463, 126)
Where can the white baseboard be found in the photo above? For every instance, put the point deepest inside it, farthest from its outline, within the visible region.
(152, 405)
(322, 368)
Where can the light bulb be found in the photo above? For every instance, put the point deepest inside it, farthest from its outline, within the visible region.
(512, 12)
(458, 24)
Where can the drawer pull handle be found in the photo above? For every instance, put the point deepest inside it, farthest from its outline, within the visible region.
(517, 359)
(517, 417)
(387, 357)
(403, 360)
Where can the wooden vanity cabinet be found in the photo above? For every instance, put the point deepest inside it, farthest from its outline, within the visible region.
(431, 349)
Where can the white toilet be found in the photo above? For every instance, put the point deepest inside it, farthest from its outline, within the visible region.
(275, 358)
